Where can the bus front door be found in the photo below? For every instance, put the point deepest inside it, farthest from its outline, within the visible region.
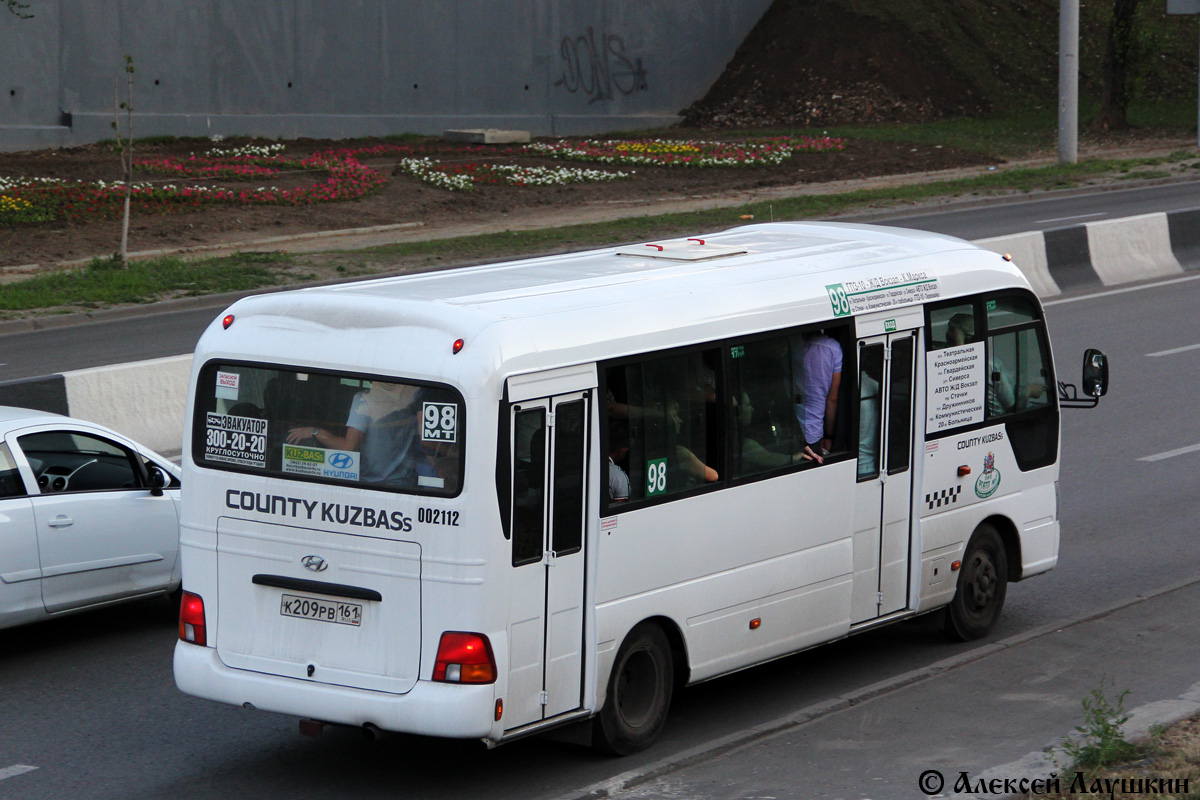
(545, 633)
(883, 497)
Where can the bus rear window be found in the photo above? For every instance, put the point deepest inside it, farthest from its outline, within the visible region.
(330, 428)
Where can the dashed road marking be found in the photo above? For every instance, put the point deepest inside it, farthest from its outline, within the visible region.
(1171, 453)
(1174, 351)
(1076, 216)
(14, 770)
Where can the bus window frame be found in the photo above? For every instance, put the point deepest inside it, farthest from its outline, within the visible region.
(196, 437)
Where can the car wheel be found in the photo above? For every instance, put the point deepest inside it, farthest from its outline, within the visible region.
(982, 586)
(639, 692)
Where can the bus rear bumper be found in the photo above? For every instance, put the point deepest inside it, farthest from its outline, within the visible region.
(429, 709)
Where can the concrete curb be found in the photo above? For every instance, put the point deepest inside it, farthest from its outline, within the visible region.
(145, 400)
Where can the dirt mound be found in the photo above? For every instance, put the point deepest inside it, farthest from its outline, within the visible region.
(812, 63)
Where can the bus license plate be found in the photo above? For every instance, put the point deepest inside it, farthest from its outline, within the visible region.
(323, 610)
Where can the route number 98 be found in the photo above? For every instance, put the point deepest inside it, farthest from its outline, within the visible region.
(838, 299)
(656, 477)
(440, 422)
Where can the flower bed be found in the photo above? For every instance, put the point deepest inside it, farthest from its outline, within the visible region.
(347, 177)
(37, 199)
(685, 153)
(463, 177)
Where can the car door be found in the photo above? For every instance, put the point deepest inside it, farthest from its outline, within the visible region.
(20, 572)
(102, 533)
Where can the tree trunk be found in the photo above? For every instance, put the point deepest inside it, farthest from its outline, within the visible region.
(1114, 96)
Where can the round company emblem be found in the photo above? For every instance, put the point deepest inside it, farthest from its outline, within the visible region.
(989, 479)
(315, 563)
(341, 460)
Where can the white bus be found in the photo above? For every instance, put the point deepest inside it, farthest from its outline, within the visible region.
(486, 502)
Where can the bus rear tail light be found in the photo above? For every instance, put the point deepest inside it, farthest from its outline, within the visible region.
(464, 658)
(191, 619)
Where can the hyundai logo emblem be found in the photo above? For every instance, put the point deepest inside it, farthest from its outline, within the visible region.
(340, 460)
(315, 563)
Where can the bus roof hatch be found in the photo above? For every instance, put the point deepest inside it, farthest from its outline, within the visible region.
(681, 250)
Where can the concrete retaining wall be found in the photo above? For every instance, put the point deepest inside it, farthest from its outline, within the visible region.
(316, 68)
(145, 400)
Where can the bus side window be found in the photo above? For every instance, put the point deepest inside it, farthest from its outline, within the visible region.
(667, 407)
(1016, 374)
(952, 326)
(900, 412)
(870, 404)
(763, 405)
(529, 487)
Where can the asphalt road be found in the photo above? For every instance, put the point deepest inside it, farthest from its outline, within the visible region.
(89, 701)
(115, 341)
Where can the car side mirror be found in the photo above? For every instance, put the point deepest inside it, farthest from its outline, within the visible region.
(158, 480)
(1095, 373)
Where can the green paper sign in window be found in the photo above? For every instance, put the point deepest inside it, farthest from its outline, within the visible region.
(656, 477)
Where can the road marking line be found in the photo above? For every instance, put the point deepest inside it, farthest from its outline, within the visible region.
(1173, 352)
(1171, 453)
(14, 770)
(1077, 216)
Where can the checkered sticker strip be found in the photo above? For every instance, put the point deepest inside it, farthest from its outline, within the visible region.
(943, 498)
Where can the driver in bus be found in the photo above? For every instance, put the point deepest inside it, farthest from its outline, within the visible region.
(1002, 396)
(384, 425)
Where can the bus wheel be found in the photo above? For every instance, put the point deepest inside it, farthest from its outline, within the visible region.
(982, 585)
(639, 693)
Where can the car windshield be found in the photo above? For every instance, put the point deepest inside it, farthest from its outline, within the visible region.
(330, 427)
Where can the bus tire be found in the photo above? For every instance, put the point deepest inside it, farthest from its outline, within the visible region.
(639, 693)
(982, 586)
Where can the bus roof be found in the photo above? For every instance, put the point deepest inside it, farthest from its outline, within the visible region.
(753, 252)
(602, 303)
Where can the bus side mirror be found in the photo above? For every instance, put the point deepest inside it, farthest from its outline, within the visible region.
(1095, 373)
(1095, 383)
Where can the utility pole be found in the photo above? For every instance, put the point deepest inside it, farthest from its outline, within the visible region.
(1068, 81)
(1188, 7)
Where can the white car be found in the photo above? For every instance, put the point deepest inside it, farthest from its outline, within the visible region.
(87, 517)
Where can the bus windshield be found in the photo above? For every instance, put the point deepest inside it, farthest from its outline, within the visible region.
(329, 427)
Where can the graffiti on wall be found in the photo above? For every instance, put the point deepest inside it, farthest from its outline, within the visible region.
(599, 67)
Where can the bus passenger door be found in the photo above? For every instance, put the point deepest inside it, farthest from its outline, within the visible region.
(549, 447)
(883, 497)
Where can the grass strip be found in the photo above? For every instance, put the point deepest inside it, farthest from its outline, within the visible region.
(103, 283)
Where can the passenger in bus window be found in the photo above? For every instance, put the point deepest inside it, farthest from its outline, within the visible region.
(1002, 396)
(819, 378)
(869, 401)
(618, 448)
(692, 465)
(383, 425)
(756, 457)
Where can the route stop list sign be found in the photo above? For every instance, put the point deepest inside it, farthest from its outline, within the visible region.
(1188, 7)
